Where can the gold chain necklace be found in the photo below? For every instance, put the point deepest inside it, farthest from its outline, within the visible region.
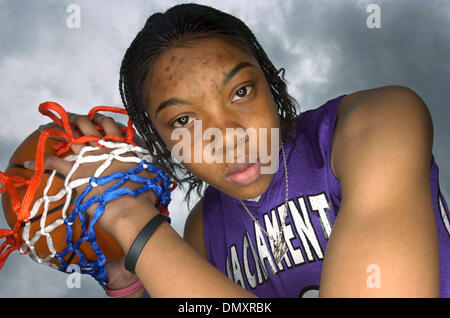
(279, 243)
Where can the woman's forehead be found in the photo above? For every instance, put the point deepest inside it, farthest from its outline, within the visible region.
(200, 54)
(194, 68)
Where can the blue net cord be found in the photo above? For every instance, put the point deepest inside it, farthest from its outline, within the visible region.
(97, 268)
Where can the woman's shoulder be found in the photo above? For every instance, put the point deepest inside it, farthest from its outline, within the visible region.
(336, 110)
(360, 109)
(394, 109)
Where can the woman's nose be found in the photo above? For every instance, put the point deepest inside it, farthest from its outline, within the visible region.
(230, 132)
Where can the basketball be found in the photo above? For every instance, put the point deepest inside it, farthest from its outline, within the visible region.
(27, 151)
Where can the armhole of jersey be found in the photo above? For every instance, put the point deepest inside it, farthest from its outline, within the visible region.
(206, 227)
(334, 115)
(333, 181)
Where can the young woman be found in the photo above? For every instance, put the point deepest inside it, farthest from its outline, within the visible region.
(353, 209)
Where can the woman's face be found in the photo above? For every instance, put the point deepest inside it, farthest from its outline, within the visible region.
(212, 86)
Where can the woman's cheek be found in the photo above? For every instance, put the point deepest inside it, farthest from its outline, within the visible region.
(209, 173)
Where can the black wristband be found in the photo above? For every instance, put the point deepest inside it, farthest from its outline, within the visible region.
(142, 238)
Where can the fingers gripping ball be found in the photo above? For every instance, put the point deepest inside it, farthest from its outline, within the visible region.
(47, 211)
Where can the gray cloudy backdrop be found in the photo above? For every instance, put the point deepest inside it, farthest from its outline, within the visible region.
(325, 46)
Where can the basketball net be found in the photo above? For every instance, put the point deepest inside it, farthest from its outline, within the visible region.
(26, 209)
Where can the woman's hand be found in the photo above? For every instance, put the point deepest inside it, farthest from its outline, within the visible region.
(119, 208)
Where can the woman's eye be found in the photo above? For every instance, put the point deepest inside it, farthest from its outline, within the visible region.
(242, 92)
(182, 121)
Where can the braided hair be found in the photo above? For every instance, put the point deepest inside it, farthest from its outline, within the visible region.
(177, 26)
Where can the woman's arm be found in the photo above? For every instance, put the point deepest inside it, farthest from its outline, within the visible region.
(193, 230)
(384, 241)
(168, 266)
(120, 278)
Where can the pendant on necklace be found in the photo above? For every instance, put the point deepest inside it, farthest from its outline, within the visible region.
(280, 248)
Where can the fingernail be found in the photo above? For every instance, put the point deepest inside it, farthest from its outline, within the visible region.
(28, 164)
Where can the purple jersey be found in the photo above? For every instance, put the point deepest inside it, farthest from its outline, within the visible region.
(238, 247)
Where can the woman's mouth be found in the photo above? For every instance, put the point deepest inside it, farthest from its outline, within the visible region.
(243, 173)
